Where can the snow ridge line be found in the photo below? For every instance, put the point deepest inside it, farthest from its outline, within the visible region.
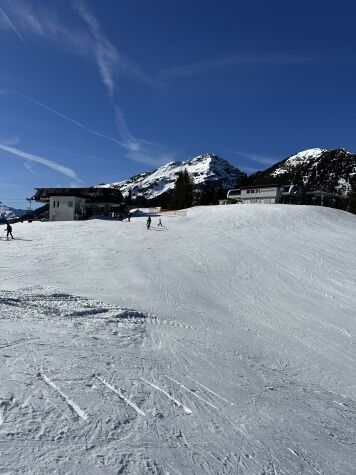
(176, 402)
(210, 391)
(192, 392)
(82, 414)
(121, 396)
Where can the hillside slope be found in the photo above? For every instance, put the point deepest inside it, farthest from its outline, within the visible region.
(222, 343)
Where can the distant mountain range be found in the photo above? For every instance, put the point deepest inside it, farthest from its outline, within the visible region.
(6, 212)
(332, 171)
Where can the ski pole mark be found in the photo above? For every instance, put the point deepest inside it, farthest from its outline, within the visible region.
(192, 392)
(82, 414)
(210, 391)
(121, 396)
(176, 402)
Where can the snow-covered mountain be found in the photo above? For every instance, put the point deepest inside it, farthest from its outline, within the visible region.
(207, 168)
(6, 212)
(315, 169)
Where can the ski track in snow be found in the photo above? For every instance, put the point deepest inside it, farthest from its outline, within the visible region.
(226, 320)
(210, 391)
(121, 396)
(70, 403)
(169, 396)
(192, 392)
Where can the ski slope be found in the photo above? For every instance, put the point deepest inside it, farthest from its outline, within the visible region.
(223, 343)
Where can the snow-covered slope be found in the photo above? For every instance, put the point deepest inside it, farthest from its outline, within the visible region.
(202, 169)
(222, 343)
(6, 212)
(315, 169)
(301, 158)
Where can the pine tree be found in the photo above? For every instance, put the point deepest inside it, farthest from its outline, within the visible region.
(182, 196)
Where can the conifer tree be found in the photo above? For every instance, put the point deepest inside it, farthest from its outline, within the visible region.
(182, 196)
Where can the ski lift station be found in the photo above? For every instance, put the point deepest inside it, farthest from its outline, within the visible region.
(70, 204)
(270, 194)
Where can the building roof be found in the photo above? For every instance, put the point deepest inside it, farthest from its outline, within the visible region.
(94, 194)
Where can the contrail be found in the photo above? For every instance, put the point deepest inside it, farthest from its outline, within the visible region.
(76, 154)
(43, 161)
(75, 122)
(13, 27)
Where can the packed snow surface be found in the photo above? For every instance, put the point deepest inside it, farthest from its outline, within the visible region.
(222, 343)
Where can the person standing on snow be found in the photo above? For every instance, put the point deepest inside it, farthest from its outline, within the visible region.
(148, 222)
(159, 223)
(8, 231)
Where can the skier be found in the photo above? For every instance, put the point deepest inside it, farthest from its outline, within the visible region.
(8, 231)
(148, 222)
(159, 223)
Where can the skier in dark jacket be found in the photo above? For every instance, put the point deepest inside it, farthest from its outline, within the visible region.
(148, 222)
(9, 231)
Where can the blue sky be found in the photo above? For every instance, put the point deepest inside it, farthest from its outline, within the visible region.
(95, 91)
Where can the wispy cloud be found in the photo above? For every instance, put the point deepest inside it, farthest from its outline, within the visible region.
(12, 26)
(10, 140)
(141, 150)
(76, 154)
(43, 161)
(71, 120)
(265, 160)
(220, 62)
(28, 167)
(91, 41)
(82, 35)
(106, 54)
(40, 21)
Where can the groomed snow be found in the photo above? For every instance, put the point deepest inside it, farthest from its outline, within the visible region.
(222, 343)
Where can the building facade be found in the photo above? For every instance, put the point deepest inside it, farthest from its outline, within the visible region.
(69, 204)
(268, 194)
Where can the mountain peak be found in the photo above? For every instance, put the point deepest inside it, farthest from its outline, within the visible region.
(6, 212)
(317, 169)
(204, 168)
